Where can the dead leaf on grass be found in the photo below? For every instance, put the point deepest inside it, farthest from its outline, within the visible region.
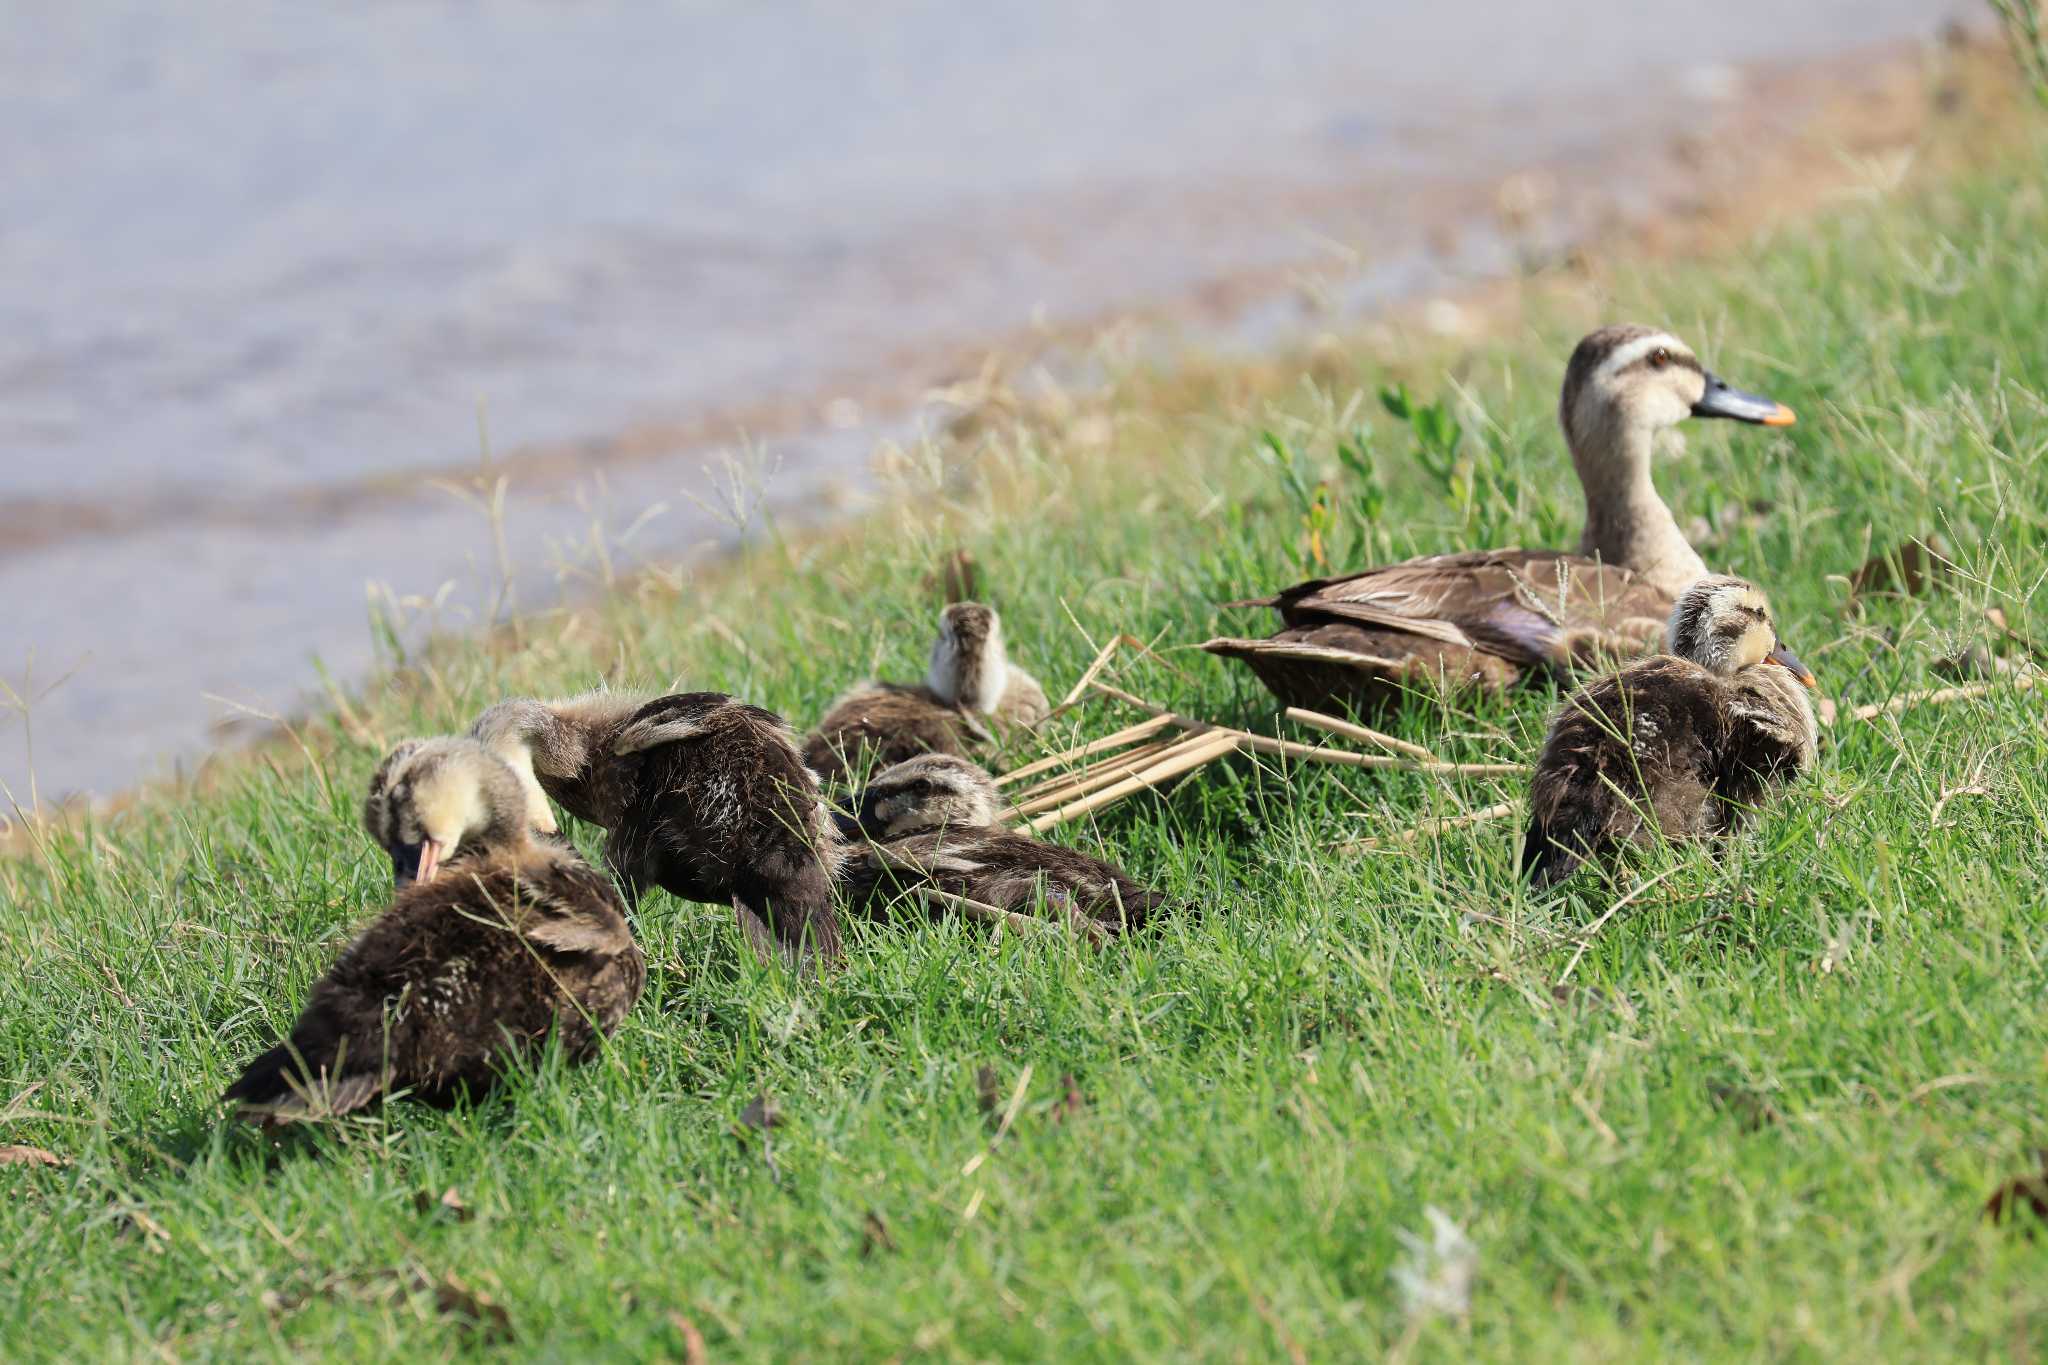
(1908, 569)
(17, 1155)
(450, 1203)
(1071, 1101)
(2026, 1192)
(988, 1091)
(694, 1352)
(1751, 1111)
(874, 1235)
(472, 1308)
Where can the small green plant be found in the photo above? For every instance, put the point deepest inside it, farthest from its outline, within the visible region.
(1317, 498)
(1474, 475)
(2021, 22)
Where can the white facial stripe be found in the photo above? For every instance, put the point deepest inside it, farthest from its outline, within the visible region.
(1631, 352)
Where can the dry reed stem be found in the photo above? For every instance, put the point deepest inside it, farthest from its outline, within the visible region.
(1308, 753)
(1352, 730)
(1431, 827)
(1076, 776)
(1099, 775)
(1184, 758)
(1100, 662)
(1128, 735)
(1906, 701)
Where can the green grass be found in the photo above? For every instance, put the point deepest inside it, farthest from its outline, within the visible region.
(1759, 1122)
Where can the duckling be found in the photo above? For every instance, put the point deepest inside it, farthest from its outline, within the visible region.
(1490, 619)
(492, 942)
(971, 679)
(1680, 745)
(702, 795)
(933, 822)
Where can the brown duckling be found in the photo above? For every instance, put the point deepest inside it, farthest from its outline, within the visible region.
(702, 795)
(493, 941)
(932, 820)
(971, 682)
(1679, 746)
(1493, 618)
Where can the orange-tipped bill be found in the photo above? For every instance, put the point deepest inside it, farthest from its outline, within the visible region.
(1723, 400)
(1783, 658)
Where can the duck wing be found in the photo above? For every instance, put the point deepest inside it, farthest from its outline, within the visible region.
(1531, 607)
(439, 992)
(1484, 619)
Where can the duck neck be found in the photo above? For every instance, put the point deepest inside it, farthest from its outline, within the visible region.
(1627, 523)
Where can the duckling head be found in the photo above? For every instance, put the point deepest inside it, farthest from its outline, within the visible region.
(1723, 624)
(931, 791)
(969, 667)
(432, 799)
(1631, 381)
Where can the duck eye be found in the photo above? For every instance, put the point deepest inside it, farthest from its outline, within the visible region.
(1659, 358)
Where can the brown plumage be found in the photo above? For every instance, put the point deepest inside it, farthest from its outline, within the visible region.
(1489, 619)
(1679, 747)
(972, 694)
(493, 942)
(702, 795)
(932, 822)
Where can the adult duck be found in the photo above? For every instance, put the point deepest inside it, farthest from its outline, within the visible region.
(1490, 619)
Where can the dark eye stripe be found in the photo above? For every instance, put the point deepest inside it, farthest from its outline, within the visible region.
(1675, 361)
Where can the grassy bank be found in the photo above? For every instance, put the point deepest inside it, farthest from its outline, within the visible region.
(1759, 1119)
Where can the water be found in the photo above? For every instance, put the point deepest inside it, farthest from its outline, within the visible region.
(264, 268)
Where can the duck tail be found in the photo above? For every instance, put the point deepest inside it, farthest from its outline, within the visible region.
(264, 1079)
(801, 919)
(1549, 856)
(301, 1078)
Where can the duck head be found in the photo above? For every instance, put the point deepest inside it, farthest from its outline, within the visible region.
(433, 800)
(1723, 624)
(969, 667)
(1630, 378)
(931, 791)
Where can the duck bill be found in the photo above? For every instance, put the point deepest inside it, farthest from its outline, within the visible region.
(1785, 658)
(1723, 400)
(431, 854)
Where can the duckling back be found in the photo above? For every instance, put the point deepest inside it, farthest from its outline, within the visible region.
(1663, 748)
(459, 978)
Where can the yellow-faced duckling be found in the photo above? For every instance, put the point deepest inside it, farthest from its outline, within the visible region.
(931, 821)
(1679, 746)
(1492, 618)
(972, 682)
(701, 795)
(494, 941)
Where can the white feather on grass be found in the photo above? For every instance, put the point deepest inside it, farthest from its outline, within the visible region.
(1436, 1275)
